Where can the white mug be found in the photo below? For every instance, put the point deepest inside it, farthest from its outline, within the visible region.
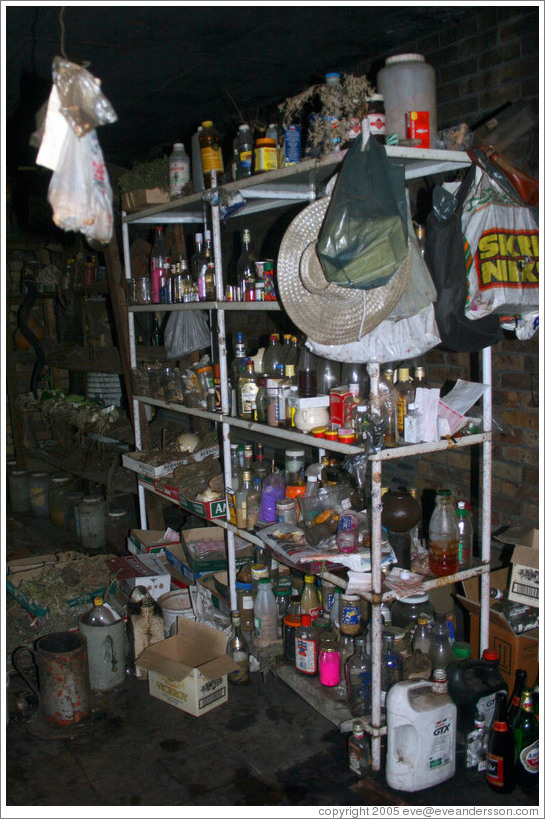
(310, 417)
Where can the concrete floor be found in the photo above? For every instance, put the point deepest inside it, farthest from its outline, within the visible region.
(264, 747)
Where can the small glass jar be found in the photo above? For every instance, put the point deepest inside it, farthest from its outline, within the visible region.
(286, 511)
(329, 665)
(169, 383)
(92, 518)
(282, 599)
(295, 464)
(116, 529)
(350, 616)
(405, 612)
(71, 502)
(156, 383)
(39, 493)
(19, 490)
(245, 605)
(59, 487)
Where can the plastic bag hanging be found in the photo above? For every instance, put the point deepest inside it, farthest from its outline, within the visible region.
(83, 104)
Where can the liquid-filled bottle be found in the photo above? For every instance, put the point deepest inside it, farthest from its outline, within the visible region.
(211, 154)
(443, 537)
(500, 754)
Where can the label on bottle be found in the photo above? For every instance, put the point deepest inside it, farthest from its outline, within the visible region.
(211, 159)
(377, 123)
(354, 756)
(247, 602)
(306, 655)
(351, 614)
(245, 162)
(315, 612)
(494, 769)
(443, 743)
(248, 395)
(529, 758)
(486, 706)
(243, 661)
(178, 175)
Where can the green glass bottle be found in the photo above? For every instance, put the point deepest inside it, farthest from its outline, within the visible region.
(526, 731)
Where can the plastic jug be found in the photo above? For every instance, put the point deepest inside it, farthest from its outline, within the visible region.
(473, 685)
(421, 720)
(407, 83)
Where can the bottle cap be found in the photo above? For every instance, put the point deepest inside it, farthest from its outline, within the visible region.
(490, 654)
(179, 145)
(309, 578)
(412, 406)
(357, 726)
(306, 619)
(265, 580)
(98, 600)
(461, 650)
(208, 123)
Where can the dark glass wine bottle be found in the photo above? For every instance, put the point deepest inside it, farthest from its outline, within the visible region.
(526, 733)
(500, 755)
(516, 693)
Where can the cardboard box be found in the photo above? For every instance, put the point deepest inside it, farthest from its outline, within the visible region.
(189, 670)
(217, 591)
(206, 550)
(338, 399)
(133, 461)
(141, 570)
(524, 583)
(418, 127)
(177, 560)
(143, 198)
(211, 510)
(515, 650)
(149, 541)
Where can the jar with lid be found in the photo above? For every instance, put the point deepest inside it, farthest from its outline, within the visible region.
(407, 610)
(350, 614)
(295, 463)
(245, 605)
(92, 517)
(19, 491)
(58, 489)
(286, 511)
(39, 493)
(259, 571)
(116, 529)
(265, 155)
(71, 519)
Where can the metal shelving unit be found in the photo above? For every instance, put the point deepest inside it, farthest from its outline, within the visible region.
(306, 182)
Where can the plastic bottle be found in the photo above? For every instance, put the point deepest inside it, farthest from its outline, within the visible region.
(526, 733)
(306, 648)
(443, 536)
(474, 685)
(500, 754)
(211, 154)
(306, 374)
(272, 357)
(358, 676)
(422, 637)
(407, 83)
(100, 614)
(418, 755)
(237, 649)
(465, 535)
(245, 147)
(359, 757)
(310, 599)
(265, 629)
(476, 747)
(196, 164)
(440, 650)
(179, 170)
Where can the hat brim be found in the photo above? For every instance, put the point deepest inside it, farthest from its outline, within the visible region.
(325, 312)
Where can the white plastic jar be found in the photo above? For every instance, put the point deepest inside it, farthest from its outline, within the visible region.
(407, 83)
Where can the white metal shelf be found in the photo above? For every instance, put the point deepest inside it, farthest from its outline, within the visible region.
(231, 306)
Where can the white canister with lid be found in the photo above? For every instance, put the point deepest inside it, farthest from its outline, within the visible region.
(407, 83)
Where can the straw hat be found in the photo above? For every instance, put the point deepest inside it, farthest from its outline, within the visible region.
(325, 312)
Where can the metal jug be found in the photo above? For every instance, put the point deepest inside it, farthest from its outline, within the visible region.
(107, 650)
(64, 693)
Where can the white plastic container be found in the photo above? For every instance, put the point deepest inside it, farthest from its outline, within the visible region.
(421, 723)
(174, 604)
(407, 83)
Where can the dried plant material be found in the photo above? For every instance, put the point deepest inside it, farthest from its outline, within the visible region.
(339, 105)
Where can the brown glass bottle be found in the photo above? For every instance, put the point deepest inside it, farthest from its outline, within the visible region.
(500, 755)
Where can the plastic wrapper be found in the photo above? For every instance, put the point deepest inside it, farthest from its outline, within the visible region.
(363, 237)
(80, 192)
(82, 102)
(185, 332)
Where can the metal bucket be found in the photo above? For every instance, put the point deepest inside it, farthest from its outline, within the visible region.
(107, 651)
(64, 692)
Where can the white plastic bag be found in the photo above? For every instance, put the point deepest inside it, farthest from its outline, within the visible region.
(185, 332)
(502, 252)
(390, 341)
(80, 192)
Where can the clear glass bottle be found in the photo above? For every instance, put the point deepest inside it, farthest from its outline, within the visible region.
(100, 615)
(359, 754)
(247, 389)
(465, 535)
(282, 597)
(440, 651)
(59, 487)
(253, 504)
(328, 375)
(92, 519)
(443, 536)
(238, 366)
(306, 648)
(475, 756)
(237, 649)
(211, 154)
(422, 636)
(391, 667)
(412, 429)
(358, 677)
(197, 259)
(265, 627)
(284, 391)
(310, 599)
(272, 357)
(405, 391)
(236, 471)
(246, 272)
(389, 398)
(241, 500)
(346, 650)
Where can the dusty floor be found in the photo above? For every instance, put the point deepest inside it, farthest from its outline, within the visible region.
(264, 747)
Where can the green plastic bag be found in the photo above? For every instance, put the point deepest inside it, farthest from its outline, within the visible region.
(363, 237)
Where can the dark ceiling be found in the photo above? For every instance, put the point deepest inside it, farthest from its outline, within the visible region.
(166, 68)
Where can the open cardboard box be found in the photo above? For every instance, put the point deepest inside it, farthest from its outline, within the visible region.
(514, 650)
(189, 670)
(524, 583)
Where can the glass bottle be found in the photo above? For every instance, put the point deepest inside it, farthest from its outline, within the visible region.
(284, 388)
(306, 374)
(306, 648)
(422, 636)
(282, 597)
(328, 375)
(354, 373)
(237, 649)
(346, 650)
(272, 357)
(359, 756)
(292, 353)
(443, 536)
(526, 733)
(253, 504)
(236, 472)
(241, 500)
(358, 677)
(100, 615)
(265, 628)
(197, 259)
(261, 466)
(391, 667)
(246, 273)
(286, 344)
(465, 535)
(238, 365)
(500, 754)
(476, 745)
(419, 379)
(211, 154)
(412, 429)
(405, 390)
(389, 398)
(209, 269)
(513, 703)
(310, 599)
(440, 651)
(245, 147)
(247, 388)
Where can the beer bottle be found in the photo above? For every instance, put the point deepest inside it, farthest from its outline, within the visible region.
(526, 732)
(500, 754)
(514, 699)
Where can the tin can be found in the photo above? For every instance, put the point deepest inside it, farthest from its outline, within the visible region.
(265, 155)
(291, 623)
(318, 432)
(329, 666)
(331, 435)
(346, 436)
